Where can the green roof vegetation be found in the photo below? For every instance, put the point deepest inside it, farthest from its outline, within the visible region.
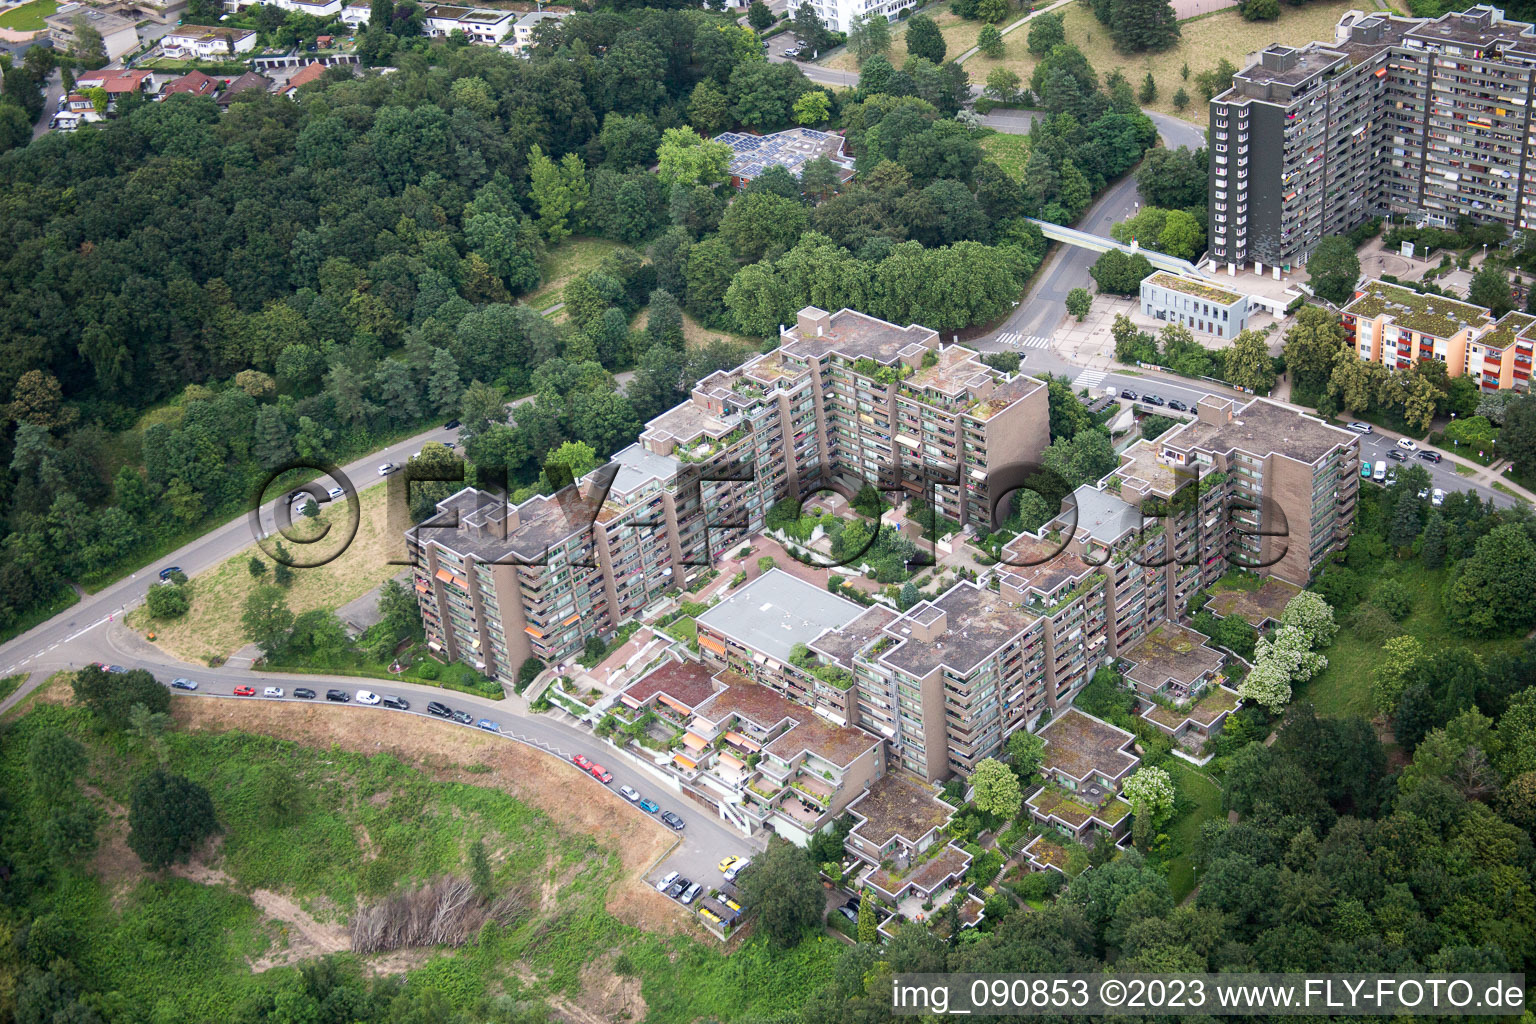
(1199, 289)
(1423, 314)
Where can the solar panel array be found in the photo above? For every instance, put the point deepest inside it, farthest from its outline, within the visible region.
(791, 150)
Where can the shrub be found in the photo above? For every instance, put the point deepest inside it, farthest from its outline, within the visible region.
(1394, 599)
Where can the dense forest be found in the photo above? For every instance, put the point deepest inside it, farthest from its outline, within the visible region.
(189, 298)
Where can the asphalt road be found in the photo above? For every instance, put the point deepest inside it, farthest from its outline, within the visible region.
(50, 104)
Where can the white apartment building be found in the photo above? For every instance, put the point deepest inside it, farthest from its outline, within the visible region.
(837, 15)
(207, 42)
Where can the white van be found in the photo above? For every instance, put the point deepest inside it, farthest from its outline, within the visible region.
(1111, 393)
(1380, 473)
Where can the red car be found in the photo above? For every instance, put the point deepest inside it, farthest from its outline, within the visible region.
(583, 762)
(245, 691)
(601, 774)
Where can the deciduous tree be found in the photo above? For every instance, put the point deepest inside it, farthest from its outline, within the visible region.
(168, 815)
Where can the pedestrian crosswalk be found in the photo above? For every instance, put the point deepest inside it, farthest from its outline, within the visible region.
(1016, 340)
(1090, 379)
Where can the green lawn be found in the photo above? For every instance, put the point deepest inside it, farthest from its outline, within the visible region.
(1010, 152)
(28, 17)
(9, 683)
(685, 629)
(1205, 797)
(1344, 687)
(564, 261)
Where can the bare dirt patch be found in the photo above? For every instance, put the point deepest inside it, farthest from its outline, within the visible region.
(115, 866)
(445, 752)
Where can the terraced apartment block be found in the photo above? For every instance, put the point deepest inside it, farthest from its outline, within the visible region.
(1398, 327)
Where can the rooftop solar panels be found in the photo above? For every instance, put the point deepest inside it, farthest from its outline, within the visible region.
(791, 150)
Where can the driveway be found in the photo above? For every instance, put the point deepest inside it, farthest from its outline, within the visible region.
(51, 99)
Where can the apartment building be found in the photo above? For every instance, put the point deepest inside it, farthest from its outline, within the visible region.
(838, 15)
(844, 400)
(478, 26)
(1398, 327)
(1426, 118)
(119, 33)
(207, 42)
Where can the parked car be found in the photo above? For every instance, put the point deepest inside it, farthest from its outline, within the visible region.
(451, 425)
(666, 882)
(439, 709)
(488, 725)
(398, 703)
(1365, 470)
(649, 806)
(367, 697)
(339, 696)
(272, 691)
(630, 793)
(180, 683)
(170, 571)
(601, 774)
(1111, 393)
(737, 868)
(1423, 493)
(582, 761)
(245, 691)
(1177, 406)
(1397, 456)
(114, 669)
(1429, 456)
(692, 893)
(334, 493)
(1129, 395)
(304, 693)
(1391, 476)
(1360, 428)
(728, 863)
(1406, 443)
(387, 468)
(1437, 497)
(677, 887)
(1379, 474)
(1153, 400)
(851, 915)
(672, 821)
(464, 718)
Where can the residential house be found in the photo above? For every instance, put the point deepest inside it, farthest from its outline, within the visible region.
(194, 83)
(1084, 764)
(207, 42)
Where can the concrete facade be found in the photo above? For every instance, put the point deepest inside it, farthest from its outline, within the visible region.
(1198, 305)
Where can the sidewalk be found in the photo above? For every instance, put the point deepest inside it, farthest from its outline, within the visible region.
(962, 58)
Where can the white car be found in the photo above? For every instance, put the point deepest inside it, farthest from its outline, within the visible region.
(367, 697)
(1360, 428)
(1437, 497)
(629, 793)
(736, 869)
(272, 691)
(666, 883)
(1406, 444)
(334, 493)
(1423, 493)
(387, 468)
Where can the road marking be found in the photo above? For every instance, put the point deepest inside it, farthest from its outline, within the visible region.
(1035, 341)
(1090, 379)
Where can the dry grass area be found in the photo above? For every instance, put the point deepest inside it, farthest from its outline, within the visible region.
(563, 262)
(446, 752)
(1205, 41)
(212, 627)
(959, 36)
(695, 334)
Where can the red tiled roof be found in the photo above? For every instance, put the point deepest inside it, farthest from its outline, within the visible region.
(114, 80)
(309, 73)
(194, 83)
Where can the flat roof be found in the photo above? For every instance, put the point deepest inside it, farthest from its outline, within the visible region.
(768, 709)
(842, 644)
(977, 623)
(1263, 428)
(639, 466)
(1051, 564)
(1142, 466)
(1193, 286)
(776, 611)
(543, 522)
(1434, 315)
(897, 804)
(1101, 514)
(1170, 651)
(1078, 744)
(856, 335)
(686, 682)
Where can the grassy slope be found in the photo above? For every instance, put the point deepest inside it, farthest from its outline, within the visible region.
(1205, 797)
(1205, 41)
(373, 822)
(1344, 687)
(959, 36)
(563, 262)
(1010, 152)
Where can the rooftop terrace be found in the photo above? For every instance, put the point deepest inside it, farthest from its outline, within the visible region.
(842, 644)
(1195, 287)
(1079, 745)
(492, 532)
(767, 709)
(898, 805)
(687, 683)
(978, 623)
(1263, 428)
(855, 335)
(1170, 652)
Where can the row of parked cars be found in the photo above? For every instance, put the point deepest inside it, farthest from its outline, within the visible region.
(436, 709)
(1156, 400)
(629, 793)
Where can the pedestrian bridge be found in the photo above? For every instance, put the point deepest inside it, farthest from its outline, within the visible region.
(1098, 243)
